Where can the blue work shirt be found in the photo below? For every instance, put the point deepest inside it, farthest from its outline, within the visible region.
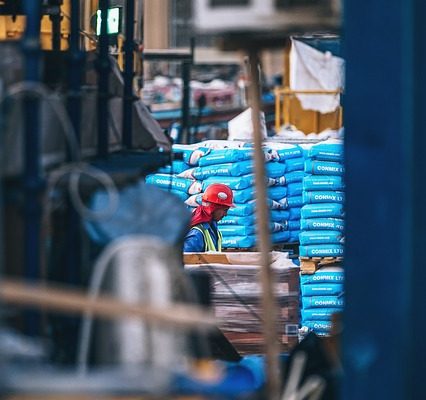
(194, 239)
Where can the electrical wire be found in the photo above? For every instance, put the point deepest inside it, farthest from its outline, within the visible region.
(75, 171)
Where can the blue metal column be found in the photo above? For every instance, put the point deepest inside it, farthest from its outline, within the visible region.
(414, 123)
(76, 60)
(33, 182)
(128, 75)
(103, 65)
(385, 119)
(75, 68)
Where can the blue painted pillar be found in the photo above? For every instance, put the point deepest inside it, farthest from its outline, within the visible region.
(385, 119)
(103, 67)
(128, 98)
(32, 180)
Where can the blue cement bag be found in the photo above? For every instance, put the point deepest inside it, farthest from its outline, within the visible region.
(316, 167)
(237, 230)
(190, 155)
(322, 289)
(295, 201)
(280, 181)
(275, 205)
(174, 182)
(280, 237)
(323, 196)
(321, 182)
(291, 152)
(291, 202)
(318, 314)
(277, 192)
(244, 195)
(294, 236)
(326, 152)
(235, 183)
(295, 189)
(322, 210)
(194, 201)
(320, 237)
(322, 302)
(275, 170)
(242, 210)
(295, 176)
(322, 250)
(234, 220)
(295, 164)
(318, 326)
(294, 214)
(294, 225)
(324, 275)
(279, 226)
(250, 221)
(239, 242)
(222, 156)
(230, 169)
(334, 224)
(278, 215)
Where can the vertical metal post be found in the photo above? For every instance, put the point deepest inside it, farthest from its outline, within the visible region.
(186, 98)
(76, 60)
(75, 67)
(128, 75)
(263, 237)
(33, 182)
(186, 77)
(103, 66)
(55, 18)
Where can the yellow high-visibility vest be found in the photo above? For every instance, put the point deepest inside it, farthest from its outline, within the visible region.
(208, 240)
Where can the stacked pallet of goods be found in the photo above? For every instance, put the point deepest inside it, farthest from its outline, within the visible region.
(236, 298)
(322, 296)
(231, 163)
(322, 234)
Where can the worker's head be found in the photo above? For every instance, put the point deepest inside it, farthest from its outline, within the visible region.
(220, 198)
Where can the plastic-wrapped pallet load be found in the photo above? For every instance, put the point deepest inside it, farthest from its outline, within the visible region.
(322, 296)
(236, 298)
(322, 232)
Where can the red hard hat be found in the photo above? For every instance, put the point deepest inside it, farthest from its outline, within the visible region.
(220, 194)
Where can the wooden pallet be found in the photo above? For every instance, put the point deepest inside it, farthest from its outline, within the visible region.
(309, 265)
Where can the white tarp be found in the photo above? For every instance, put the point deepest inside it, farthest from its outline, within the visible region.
(311, 69)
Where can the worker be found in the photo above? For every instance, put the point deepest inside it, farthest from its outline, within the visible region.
(204, 234)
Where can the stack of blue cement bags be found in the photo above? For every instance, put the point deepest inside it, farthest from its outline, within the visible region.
(232, 164)
(322, 296)
(322, 224)
(290, 184)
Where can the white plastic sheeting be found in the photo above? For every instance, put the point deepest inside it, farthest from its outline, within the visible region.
(311, 69)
